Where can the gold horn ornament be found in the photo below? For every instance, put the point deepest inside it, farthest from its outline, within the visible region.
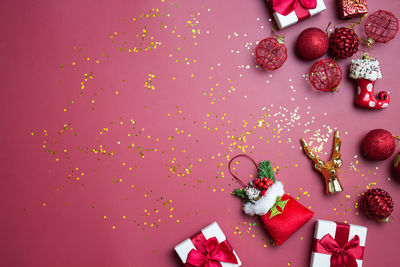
(330, 169)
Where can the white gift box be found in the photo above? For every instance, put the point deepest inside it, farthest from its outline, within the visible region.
(212, 230)
(322, 228)
(291, 18)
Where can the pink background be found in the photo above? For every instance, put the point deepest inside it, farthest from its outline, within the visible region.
(118, 119)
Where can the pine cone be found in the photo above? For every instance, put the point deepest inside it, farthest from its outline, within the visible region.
(252, 193)
(377, 203)
(343, 43)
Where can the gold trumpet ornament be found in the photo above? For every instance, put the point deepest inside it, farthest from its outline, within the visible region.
(330, 169)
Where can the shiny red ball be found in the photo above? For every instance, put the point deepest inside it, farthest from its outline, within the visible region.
(378, 144)
(312, 43)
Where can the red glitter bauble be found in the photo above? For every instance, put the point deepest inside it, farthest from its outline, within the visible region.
(312, 43)
(271, 53)
(343, 43)
(381, 27)
(325, 75)
(378, 144)
(378, 204)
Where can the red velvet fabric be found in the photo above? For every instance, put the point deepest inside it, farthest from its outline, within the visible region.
(282, 226)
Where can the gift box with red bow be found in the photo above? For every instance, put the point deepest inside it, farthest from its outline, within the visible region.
(338, 244)
(208, 248)
(289, 12)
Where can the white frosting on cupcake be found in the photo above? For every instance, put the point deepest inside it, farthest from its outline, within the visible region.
(365, 68)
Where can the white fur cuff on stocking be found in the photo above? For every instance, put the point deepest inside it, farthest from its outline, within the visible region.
(265, 203)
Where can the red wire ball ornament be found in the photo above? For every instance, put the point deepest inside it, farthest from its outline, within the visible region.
(381, 27)
(325, 75)
(271, 53)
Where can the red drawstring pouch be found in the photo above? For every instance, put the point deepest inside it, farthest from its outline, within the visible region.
(264, 196)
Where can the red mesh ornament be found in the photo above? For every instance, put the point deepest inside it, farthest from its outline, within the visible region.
(377, 204)
(381, 27)
(271, 53)
(325, 75)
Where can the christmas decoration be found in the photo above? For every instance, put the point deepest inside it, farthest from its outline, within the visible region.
(209, 248)
(289, 12)
(271, 53)
(281, 214)
(312, 43)
(381, 27)
(343, 43)
(366, 71)
(325, 75)
(352, 8)
(338, 244)
(378, 204)
(330, 169)
(378, 144)
(396, 165)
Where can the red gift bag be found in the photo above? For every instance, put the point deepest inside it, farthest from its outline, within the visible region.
(281, 214)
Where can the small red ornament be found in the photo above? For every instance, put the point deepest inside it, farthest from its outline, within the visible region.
(381, 27)
(378, 204)
(312, 43)
(325, 75)
(378, 144)
(271, 53)
(343, 43)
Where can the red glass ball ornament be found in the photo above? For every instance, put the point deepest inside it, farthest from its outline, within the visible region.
(325, 75)
(381, 26)
(271, 53)
(378, 144)
(312, 43)
(378, 204)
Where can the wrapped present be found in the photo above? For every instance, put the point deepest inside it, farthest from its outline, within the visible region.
(208, 248)
(289, 12)
(352, 8)
(264, 196)
(338, 244)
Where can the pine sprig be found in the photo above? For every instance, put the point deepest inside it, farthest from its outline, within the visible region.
(265, 170)
(240, 193)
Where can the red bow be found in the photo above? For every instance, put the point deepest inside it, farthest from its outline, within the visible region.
(344, 256)
(213, 254)
(284, 7)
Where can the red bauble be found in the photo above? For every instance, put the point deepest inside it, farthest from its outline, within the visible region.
(312, 43)
(396, 165)
(378, 204)
(381, 27)
(378, 144)
(325, 75)
(343, 43)
(271, 53)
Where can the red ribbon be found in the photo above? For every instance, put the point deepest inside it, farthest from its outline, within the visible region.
(210, 253)
(300, 7)
(344, 253)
